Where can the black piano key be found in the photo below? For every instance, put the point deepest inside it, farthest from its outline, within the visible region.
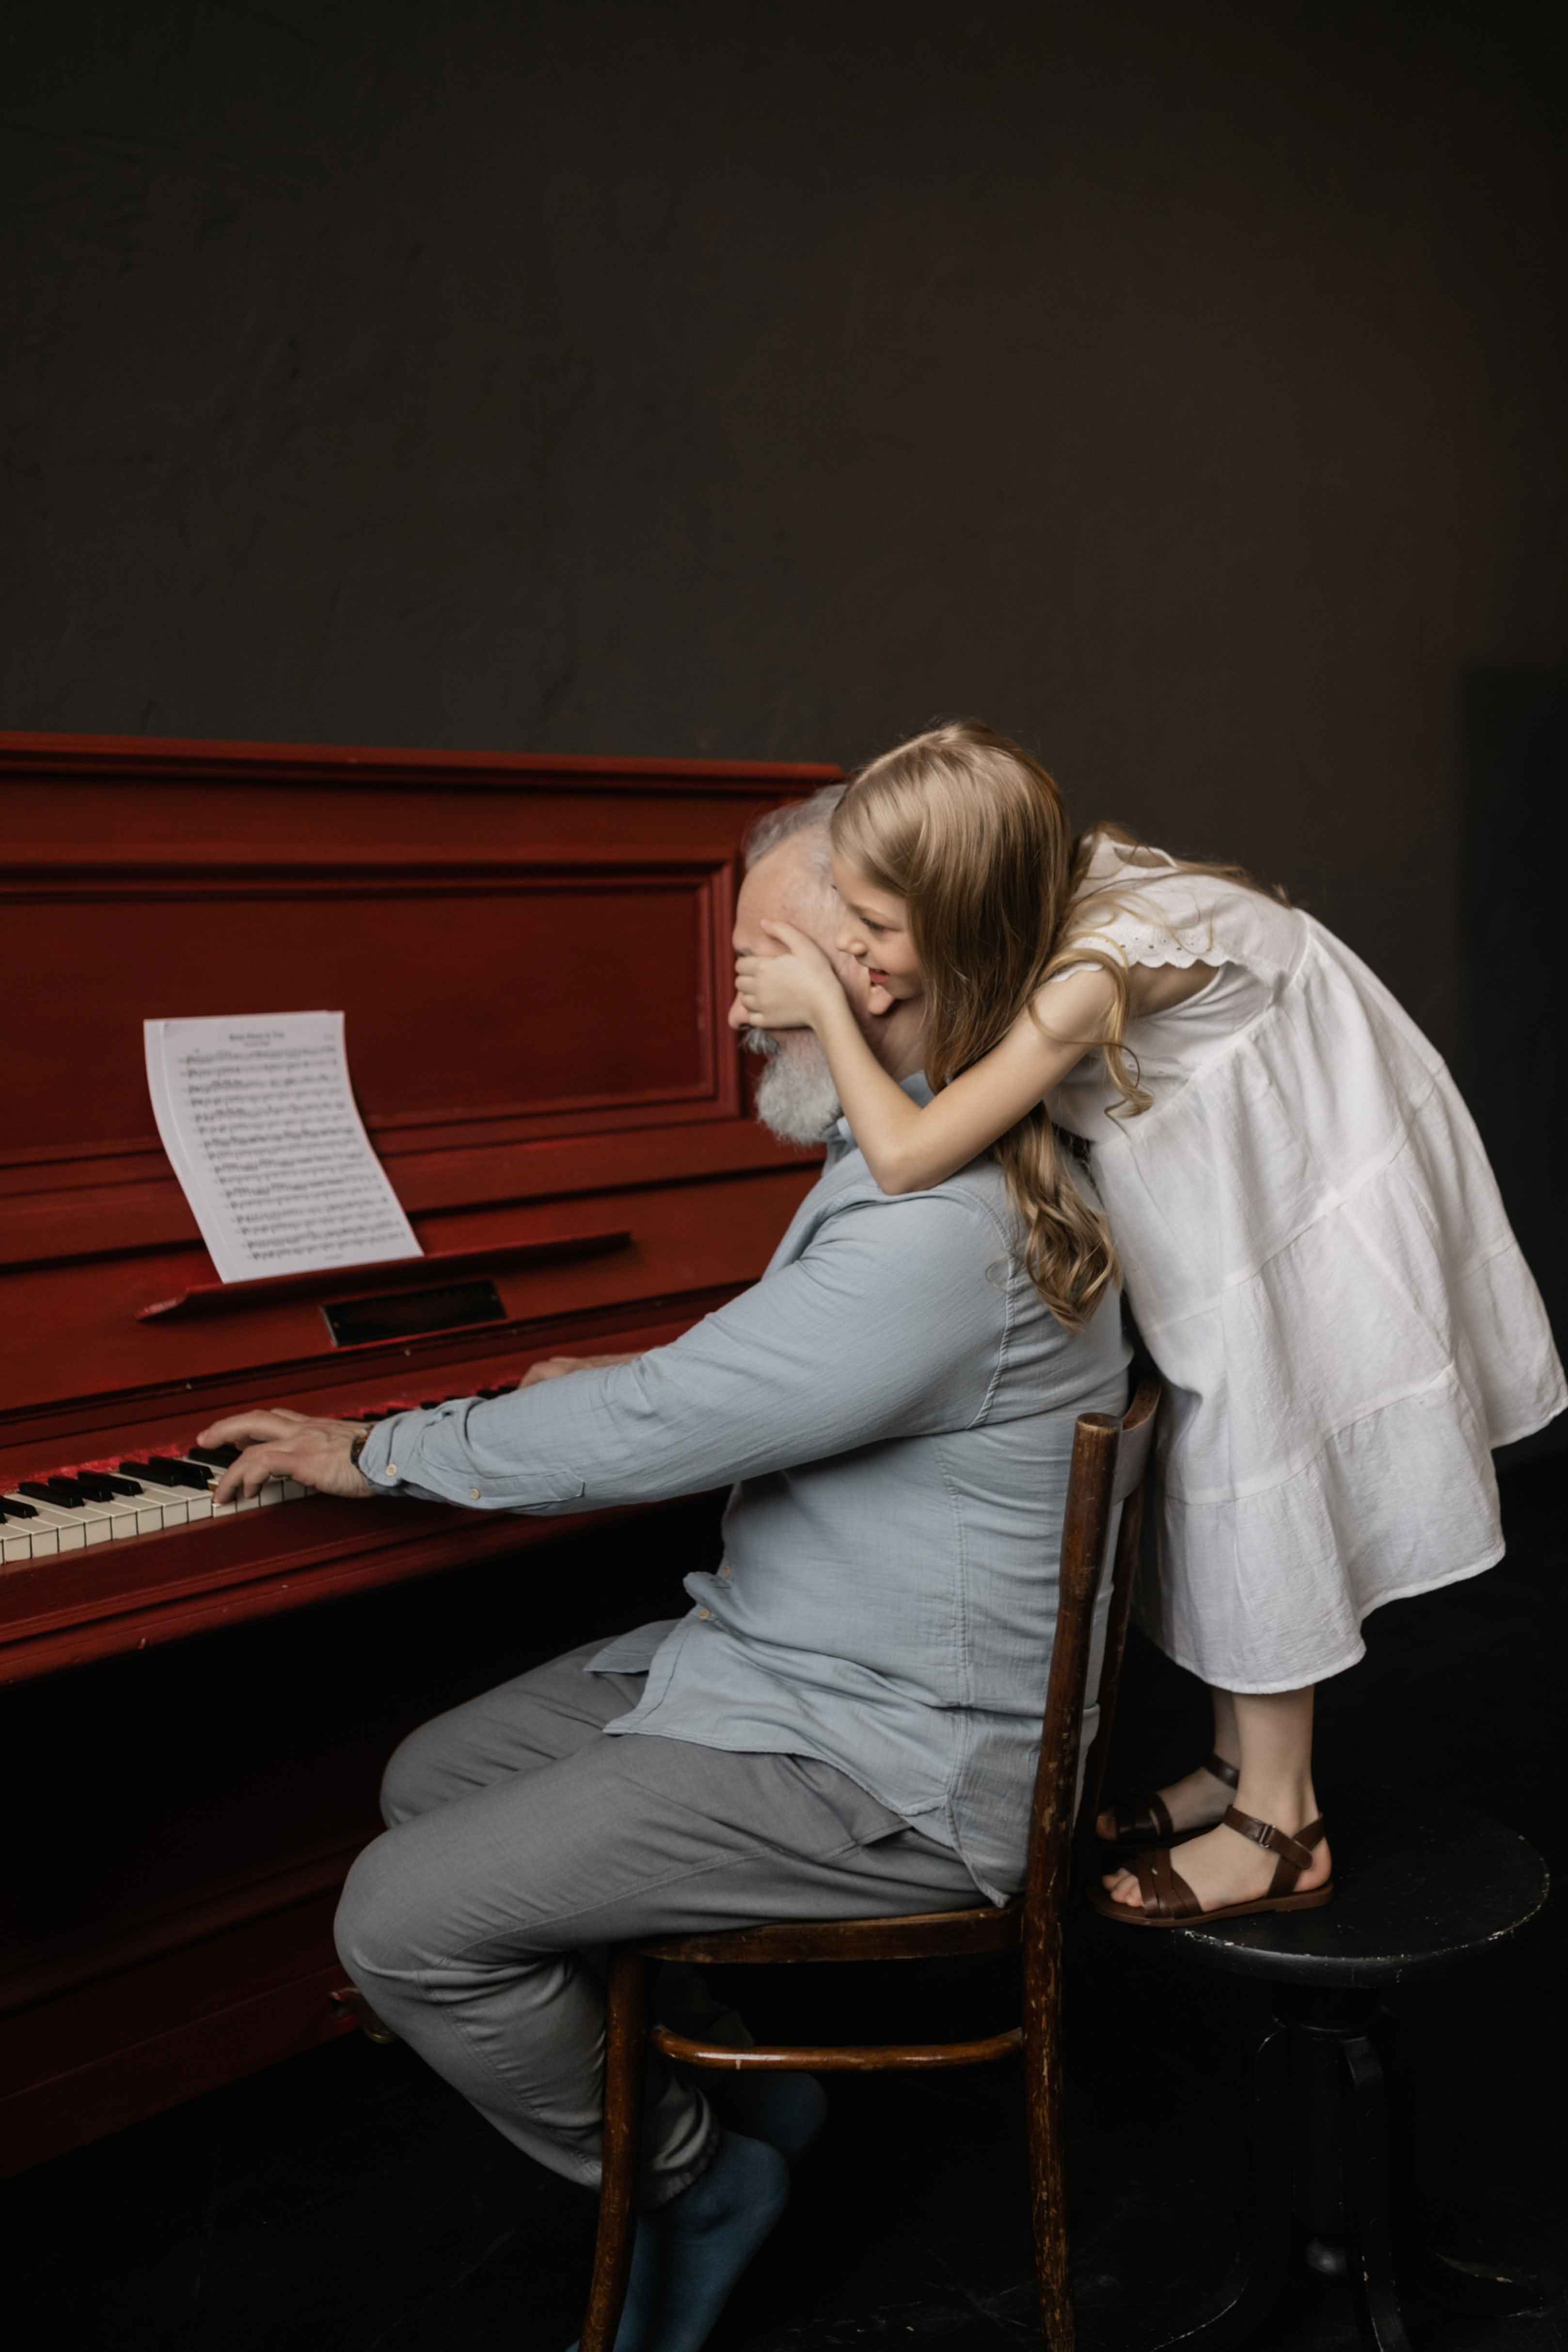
(219, 1457)
(117, 1486)
(10, 1509)
(490, 1392)
(428, 1404)
(161, 1473)
(96, 1487)
(83, 1487)
(178, 1473)
(44, 1491)
(67, 1492)
(372, 1412)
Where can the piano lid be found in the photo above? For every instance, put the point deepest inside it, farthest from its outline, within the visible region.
(533, 956)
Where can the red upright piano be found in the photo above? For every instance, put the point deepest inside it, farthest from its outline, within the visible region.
(533, 956)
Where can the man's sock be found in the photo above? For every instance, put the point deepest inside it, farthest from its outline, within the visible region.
(686, 2257)
(786, 2110)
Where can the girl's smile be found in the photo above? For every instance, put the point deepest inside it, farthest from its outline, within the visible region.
(875, 923)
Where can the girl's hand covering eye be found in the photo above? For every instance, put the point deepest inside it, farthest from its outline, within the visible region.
(785, 991)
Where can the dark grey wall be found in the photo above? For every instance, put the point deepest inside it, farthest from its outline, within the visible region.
(1181, 388)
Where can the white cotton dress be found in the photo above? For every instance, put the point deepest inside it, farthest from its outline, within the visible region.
(1318, 1261)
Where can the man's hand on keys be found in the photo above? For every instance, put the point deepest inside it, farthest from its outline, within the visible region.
(279, 1443)
(282, 1444)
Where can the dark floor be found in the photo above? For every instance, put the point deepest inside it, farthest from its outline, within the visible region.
(347, 2202)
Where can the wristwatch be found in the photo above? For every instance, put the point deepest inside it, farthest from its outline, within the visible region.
(357, 1447)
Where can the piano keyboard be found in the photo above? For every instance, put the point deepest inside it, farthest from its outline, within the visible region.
(100, 1502)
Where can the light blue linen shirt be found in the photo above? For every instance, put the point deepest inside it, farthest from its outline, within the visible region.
(897, 1405)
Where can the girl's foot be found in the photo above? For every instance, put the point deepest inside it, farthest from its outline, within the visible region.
(1225, 1867)
(1196, 1802)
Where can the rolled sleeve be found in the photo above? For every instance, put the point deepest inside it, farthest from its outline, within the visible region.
(890, 1323)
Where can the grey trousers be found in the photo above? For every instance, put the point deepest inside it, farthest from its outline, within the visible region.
(521, 1841)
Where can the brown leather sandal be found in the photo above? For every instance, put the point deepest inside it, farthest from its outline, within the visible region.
(1169, 1901)
(1147, 1821)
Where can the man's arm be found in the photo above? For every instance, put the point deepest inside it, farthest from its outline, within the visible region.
(556, 1368)
(886, 1327)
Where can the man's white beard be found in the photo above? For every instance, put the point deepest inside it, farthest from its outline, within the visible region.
(795, 1100)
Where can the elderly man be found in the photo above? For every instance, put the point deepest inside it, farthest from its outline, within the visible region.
(844, 1722)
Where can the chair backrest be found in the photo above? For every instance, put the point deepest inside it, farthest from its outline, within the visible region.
(1109, 1461)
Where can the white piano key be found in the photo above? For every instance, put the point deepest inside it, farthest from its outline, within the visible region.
(156, 1510)
(67, 1528)
(134, 1515)
(97, 1522)
(115, 1515)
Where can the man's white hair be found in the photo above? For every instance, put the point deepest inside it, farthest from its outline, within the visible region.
(796, 1097)
(812, 815)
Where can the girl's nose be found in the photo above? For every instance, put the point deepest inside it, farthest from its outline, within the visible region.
(849, 941)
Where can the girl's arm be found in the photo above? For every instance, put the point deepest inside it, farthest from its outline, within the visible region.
(908, 1146)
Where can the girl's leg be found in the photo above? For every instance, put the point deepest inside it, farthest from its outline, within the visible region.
(1227, 1733)
(1273, 1745)
(1200, 1797)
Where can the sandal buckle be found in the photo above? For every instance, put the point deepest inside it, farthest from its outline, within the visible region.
(1248, 1825)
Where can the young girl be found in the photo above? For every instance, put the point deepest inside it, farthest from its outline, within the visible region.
(1296, 1200)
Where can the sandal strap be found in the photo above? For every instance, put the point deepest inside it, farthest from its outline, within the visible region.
(1229, 1773)
(1295, 1852)
(1148, 1819)
(1165, 1893)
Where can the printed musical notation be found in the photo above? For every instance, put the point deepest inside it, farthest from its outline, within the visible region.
(258, 1119)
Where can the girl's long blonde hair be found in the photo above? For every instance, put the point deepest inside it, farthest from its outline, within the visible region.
(974, 835)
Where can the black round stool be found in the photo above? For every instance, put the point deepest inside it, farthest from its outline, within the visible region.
(1418, 1890)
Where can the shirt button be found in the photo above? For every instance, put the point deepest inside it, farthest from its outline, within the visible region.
(392, 1469)
(726, 1571)
(475, 1492)
(705, 1612)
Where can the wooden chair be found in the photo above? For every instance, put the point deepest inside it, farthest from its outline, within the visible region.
(1109, 1459)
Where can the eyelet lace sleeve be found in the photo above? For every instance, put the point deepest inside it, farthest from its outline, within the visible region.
(1149, 916)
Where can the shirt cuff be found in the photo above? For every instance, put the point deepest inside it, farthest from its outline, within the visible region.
(381, 1461)
(426, 1456)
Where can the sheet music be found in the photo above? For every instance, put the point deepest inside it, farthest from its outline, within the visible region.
(258, 1119)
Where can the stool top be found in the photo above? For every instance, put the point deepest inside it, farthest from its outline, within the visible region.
(1417, 1886)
